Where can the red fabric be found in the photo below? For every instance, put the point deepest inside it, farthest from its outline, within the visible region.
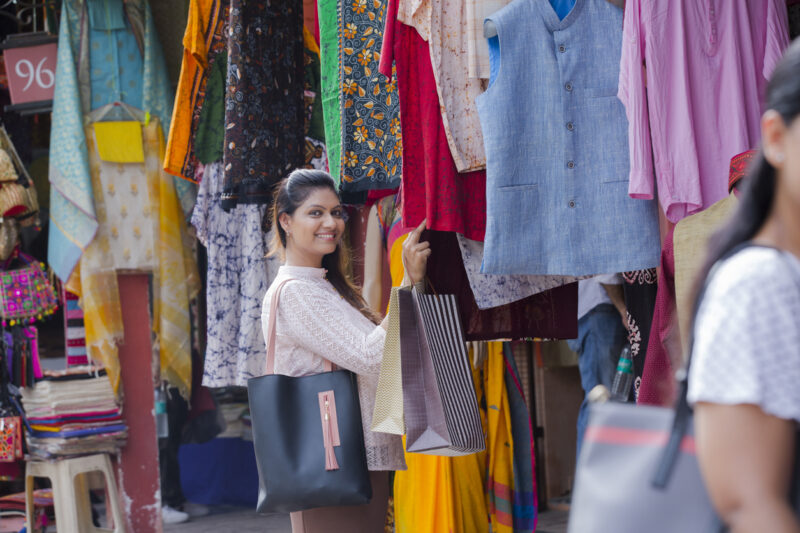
(739, 166)
(658, 383)
(432, 187)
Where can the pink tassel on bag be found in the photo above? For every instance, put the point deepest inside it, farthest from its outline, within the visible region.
(330, 428)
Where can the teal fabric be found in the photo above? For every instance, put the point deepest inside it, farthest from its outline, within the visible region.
(114, 56)
(106, 14)
(72, 215)
(73, 221)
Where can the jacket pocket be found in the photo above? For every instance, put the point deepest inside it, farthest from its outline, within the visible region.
(521, 187)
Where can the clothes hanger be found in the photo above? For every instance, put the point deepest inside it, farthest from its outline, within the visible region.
(132, 113)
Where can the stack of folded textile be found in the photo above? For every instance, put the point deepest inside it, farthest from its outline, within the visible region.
(73, 413)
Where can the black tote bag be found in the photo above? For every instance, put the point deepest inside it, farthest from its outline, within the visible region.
(307, 435)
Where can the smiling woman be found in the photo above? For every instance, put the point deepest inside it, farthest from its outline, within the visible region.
(321, 318)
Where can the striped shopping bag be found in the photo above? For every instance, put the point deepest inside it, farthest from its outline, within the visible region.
(439, 400)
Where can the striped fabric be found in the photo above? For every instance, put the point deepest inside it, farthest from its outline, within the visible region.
(75, 332)
(441, 335)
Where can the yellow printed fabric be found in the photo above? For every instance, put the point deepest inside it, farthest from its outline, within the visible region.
(500, 442)
(119, 141)
(94, 280)
(177, 279)
(439, 494)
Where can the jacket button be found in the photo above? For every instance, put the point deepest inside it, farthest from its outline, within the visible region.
(570, 126)
(562, 48)
(570, 164)
(568, 86)
(572, 203)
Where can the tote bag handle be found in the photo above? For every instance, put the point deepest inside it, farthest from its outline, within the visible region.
(273, 315)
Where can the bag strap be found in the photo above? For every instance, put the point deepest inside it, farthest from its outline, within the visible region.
(273, 315)
(683, 411)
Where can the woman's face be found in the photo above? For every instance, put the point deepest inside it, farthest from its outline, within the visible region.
(315, 228)
(782, 150)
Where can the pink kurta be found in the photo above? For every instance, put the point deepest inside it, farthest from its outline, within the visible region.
(707, 65)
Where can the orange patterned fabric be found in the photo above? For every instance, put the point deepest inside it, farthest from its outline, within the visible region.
(202, 40)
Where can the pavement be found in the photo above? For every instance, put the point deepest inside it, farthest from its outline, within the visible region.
(225, 519)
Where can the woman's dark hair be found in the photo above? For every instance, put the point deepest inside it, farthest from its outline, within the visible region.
(288, 196)
(755, 203)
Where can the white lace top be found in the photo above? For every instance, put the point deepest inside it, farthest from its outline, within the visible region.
(315, 323)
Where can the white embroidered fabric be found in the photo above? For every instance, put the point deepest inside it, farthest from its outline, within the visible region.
(314, 323)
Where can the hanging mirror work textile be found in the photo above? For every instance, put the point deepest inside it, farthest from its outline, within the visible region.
(372, 148)
(108, 51)
(264, 113)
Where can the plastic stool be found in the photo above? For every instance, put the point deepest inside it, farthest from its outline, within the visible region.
(71, 492)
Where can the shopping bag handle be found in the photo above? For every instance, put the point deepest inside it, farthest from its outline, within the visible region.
(273, 315)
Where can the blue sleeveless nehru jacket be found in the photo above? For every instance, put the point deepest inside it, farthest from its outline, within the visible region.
(556, 140)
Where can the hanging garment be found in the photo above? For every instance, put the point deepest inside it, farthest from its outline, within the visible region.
(432, 187)
(477, 47)
(128, 197)
(524, 500)
(565, 164)
(794, 19)
(203, 42)
(264, 99)
(551, 314)
(82, 85)
(437, 493)
(707, 68)
(209, 137)
(314, 123)
(443, 24)
(500, 487)
(690, 240)
(664, 347)
(372, 148)
(492, 290)
(239, 274)
(176, 280)
(311, 18)
(330, 87)
(640, 288)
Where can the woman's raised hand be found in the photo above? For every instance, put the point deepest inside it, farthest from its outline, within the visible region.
(415, 256)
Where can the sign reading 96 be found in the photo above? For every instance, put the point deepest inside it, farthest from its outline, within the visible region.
(31, 72)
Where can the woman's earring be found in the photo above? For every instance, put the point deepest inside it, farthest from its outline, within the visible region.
(778, 157)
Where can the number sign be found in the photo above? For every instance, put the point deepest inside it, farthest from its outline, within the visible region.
(31, 72)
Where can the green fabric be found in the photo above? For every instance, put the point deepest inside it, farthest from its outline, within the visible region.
(210, 136)
(331, 106)
(315, 126)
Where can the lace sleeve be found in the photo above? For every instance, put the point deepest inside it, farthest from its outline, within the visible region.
(316, 321)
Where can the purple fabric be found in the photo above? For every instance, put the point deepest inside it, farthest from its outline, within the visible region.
(707, 67)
